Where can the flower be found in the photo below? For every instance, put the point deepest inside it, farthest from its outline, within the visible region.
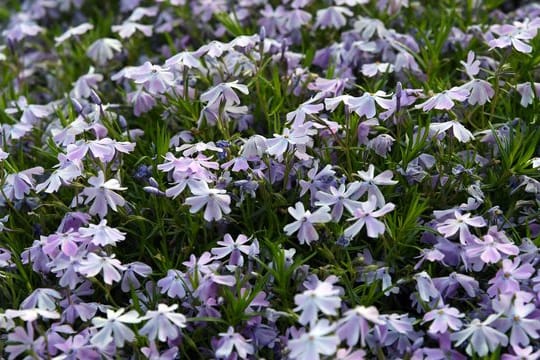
(321, 296)
(102, 234)
(163, 324)
(317, 341)
(492, 247)
(102, 50)
(344, 196)
(510, 35)
(232, 340)
(444, 100)
(234, 248)
(482, 337)
(332, 17)
(103, 193)
(216, 201)
(304, 222)
(173, 284)
(94, 264)
(42, 298)
(73, 31)
(371, 183)
(460, 223)
(113, 328)
(519, 316)
(460, 132)
(507, 279)
(443, 318)
(354, 324)
(153, 78)
(365, 214)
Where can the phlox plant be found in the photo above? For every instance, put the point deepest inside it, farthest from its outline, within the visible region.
(296, 179)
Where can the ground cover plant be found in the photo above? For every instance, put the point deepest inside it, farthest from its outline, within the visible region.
(295, 179)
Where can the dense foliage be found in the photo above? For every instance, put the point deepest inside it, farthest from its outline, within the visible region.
(296, 179)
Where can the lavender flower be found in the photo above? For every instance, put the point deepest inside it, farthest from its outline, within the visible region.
(304, 221)
(113, 328)
(163, 323)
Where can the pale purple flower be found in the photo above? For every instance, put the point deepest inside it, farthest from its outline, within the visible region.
(22, 28)
(522, 354)
(174, 284)
(381, 144)
(460, 132)
(443, 318)
(519, 315)
(426, 288)
(224, 92)
(316, 342)
(102, 50)
(507, 279)
(113, 328)
(344, 196)
(371, 70)
(354, 325)
(492, 247)
(480, 91)
(233, 341)
(482, 338)
(298, 116)
(31, 315)
(371, 183)
(94, 264)
(102, 195)
(42, 298)
(153, 353)
(66, 242)
(82, 88)
(77, 347)
(365, 104)
(216, 201)
(448, 285)
(233, 249)
(73, 31)
(183, 60)
(17, 185)
(295, 18)
(128, 28)
(304, 221)
(509, 35)
(129, 278)
(163, 324)
(332, 17)
(154, 78)
(102, 234)
(460, 224)
(527, 93)
(321, 296)
(141, 100)
(21, 340)
(472, 66)
(444, 100)
(294, 140)
(366, 215)
(65, 173)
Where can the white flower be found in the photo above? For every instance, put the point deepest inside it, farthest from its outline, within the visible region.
(102, 193)
(113, 328)
(315, 342)
(216, 201)
(102, 50)
(230, 340)
(163, 324)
